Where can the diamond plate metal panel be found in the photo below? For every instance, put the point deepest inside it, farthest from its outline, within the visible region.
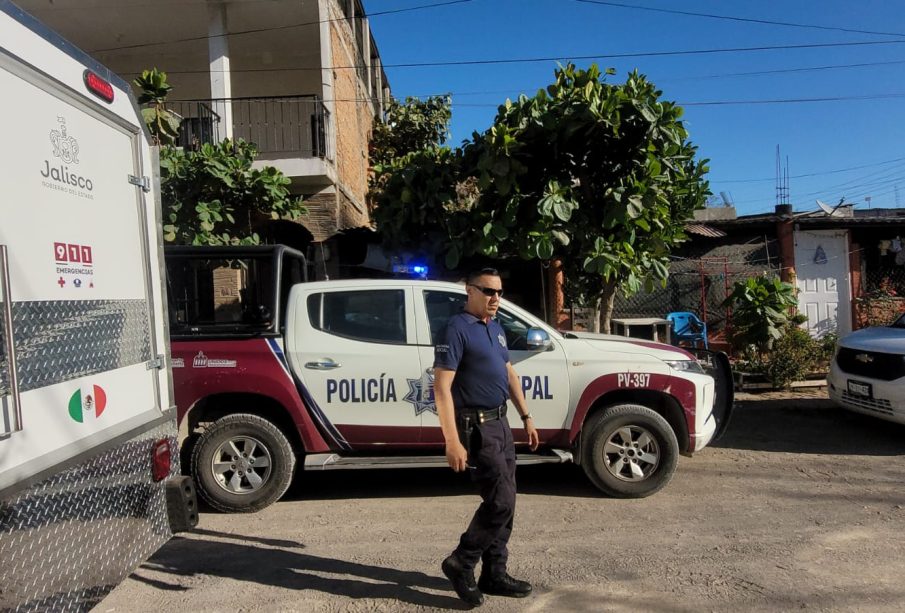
(61, 340)
(67, 541)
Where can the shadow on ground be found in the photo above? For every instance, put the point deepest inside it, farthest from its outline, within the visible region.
(546, 479)
(809, 425)
(257, 561)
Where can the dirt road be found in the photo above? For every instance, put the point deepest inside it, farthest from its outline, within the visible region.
(800, 506)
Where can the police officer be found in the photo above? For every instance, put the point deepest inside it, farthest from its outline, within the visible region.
(473, 379)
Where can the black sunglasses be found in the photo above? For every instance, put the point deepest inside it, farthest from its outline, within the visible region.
(488, 291)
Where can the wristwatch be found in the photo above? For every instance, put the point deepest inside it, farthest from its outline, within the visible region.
(526, 416)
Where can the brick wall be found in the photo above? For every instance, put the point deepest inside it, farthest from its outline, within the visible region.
(321, 218)
(227, 282)
(352, 121)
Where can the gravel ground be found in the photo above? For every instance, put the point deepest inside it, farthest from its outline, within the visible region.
(799, 506)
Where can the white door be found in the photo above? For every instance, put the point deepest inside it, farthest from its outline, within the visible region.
(354, 350)
(824, 294)
(72, 227)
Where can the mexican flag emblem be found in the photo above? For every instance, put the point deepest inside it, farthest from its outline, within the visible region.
(87, 403)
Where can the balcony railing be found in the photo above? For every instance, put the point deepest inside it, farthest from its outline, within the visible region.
(295, 125)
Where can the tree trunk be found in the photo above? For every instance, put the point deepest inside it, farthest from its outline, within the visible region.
(555, 298)
(595, 317)
(607, 300)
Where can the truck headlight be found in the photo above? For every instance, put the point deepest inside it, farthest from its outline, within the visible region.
(685, 366)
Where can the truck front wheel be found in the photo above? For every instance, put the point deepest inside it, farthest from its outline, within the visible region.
(242, 463)
(629, 451)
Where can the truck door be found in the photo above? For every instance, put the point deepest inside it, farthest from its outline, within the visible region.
(78, 326)
(544, 374)
(354, 350)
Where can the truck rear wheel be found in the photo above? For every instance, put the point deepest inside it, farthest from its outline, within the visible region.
(629, 451)
(242, 463)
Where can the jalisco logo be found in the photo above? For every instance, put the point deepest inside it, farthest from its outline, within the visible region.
(66, 148)
(202, 361)
(87, 403)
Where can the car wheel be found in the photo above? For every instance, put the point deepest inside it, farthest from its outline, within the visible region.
(629, 451)
(242, 463)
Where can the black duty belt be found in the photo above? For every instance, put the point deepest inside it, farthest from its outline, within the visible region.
(482, 415)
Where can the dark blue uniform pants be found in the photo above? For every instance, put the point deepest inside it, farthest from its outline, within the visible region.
(492, 454)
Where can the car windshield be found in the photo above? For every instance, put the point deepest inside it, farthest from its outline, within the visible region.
(899, 322)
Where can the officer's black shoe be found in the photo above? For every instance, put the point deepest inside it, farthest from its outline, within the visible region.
(462, 580)
(504, 585)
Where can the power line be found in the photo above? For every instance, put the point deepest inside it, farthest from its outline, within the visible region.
(636, 54)
(598, 56)
(754, 102)
(740, 19)
(283, 27)
(516, 90)
(793, 100)
(779, 71)
(814, 174)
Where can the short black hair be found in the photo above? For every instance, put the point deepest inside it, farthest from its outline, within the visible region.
(483, 272)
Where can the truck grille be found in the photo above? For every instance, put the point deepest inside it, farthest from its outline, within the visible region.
(876, 405)
(883, 366)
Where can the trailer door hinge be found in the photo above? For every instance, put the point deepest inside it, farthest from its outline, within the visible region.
(157, 362)
(143, 182)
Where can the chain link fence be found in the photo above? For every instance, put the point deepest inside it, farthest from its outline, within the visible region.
(699, 283)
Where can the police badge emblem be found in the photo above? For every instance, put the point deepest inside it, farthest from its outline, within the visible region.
(502, 340)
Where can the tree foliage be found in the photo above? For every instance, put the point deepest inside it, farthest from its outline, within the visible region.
(602, 177)
(761, 309)
(213, 196)
(163, 124)
(409, 126)
(421, 199)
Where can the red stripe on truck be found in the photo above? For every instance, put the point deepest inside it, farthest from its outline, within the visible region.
(239, 367)
(682, 390)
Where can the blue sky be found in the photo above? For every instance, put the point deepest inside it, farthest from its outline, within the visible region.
(819, 138)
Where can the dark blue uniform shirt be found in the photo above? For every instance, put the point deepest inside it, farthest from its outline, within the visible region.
(478, 353)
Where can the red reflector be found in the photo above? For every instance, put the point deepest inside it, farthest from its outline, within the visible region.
(98, 86)
(160, 460)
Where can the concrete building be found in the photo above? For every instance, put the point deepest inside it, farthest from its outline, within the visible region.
(302, 79)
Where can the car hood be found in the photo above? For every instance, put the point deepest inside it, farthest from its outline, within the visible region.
(611, 342)
(882, 339)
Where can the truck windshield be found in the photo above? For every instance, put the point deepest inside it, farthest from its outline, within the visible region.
(217, 295)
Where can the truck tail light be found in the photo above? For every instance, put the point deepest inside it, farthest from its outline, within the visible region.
(160, 460)
(98, 86)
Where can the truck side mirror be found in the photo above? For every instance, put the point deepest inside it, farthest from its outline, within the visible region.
(538, 339)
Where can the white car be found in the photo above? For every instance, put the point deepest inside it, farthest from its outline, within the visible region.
(867, 374)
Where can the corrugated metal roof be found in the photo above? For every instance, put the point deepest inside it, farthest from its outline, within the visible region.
(704, 230)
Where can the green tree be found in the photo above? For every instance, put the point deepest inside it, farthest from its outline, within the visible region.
(409, 126)
(419, 195)
(602, 177)
(761, 309)
(213, 196)
(163, 124)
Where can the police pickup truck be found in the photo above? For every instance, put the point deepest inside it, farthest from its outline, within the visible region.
(272, 373)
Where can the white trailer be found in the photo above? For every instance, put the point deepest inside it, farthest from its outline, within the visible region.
(89, 484)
